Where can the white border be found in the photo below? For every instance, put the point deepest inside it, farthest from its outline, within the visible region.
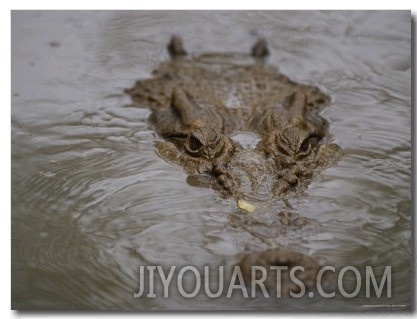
(119, 5)
(216, 4)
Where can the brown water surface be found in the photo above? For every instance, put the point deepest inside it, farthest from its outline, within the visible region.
(92, 201)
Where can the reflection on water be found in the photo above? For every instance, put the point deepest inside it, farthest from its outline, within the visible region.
(91, 200)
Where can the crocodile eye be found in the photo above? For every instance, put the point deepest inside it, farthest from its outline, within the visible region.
(309, 143)
(314, 140)
(304, 147)
(194, 144)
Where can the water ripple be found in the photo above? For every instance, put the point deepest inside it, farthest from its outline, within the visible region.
(92, 201)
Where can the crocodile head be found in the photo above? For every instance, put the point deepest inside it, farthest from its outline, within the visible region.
(196, 104)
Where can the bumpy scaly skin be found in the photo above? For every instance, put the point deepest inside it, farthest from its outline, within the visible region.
(197, 103)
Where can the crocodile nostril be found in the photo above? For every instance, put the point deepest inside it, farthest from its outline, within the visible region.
(307, 174)
(280, 188)
(194, 144)
(301, 172)
(226, 181)
(288, 162)
(291, 179)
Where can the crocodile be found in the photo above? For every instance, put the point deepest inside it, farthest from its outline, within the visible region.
(201, 105)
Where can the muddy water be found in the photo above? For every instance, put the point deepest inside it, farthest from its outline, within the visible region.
(91, 200)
